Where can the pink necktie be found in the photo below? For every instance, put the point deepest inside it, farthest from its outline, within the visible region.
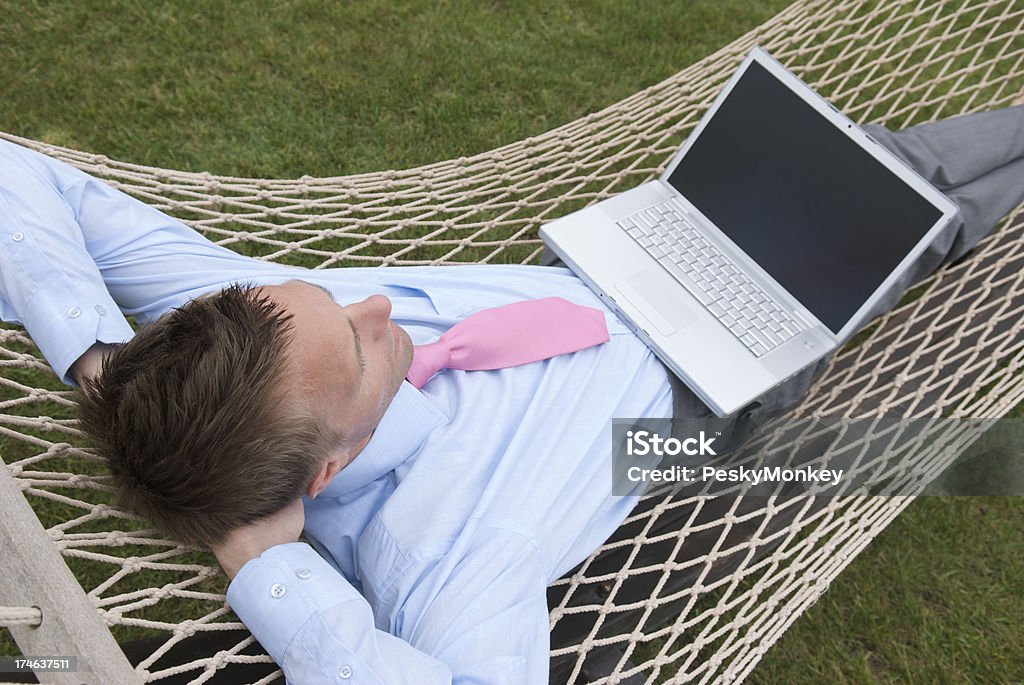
(518, 333)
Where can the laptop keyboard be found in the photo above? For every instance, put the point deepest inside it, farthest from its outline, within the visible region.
(741, 305)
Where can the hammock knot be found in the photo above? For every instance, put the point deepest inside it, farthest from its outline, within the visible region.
(217, 661)
(185, 629)
(207, 572)
(56, 448)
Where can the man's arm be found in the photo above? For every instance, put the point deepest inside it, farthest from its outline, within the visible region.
(319, 629)
(75, 253)
(48, 282)
(485, 626)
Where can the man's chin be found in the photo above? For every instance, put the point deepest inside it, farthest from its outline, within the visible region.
(403, 354)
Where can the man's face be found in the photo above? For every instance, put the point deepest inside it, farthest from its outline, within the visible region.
(347, 361)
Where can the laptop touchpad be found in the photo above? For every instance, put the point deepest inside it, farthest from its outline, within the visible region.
(659, 299)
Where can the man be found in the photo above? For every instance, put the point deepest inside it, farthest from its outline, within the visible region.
(272, 401)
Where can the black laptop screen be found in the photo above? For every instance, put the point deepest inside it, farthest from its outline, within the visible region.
(816, 211)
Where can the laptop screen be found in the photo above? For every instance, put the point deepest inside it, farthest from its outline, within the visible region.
(816, 211)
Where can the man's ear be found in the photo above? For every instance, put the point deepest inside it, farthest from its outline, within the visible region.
(334, 463)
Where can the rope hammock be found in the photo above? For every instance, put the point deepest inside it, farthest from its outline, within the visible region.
(954, 349)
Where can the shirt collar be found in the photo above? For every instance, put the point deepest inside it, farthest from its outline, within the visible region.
(409, 419)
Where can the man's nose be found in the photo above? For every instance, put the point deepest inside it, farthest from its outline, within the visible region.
(375, 310)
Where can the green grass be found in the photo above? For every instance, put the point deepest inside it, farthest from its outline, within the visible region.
(935, 599)
(291, 88)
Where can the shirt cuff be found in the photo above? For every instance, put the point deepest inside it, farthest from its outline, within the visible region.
(277, 593)
(67, 318)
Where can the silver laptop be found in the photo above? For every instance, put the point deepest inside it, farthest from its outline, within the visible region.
(763, 245)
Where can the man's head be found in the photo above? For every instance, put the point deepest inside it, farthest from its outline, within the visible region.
(234, 405)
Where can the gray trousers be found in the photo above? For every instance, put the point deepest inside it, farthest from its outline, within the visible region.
(977, 160)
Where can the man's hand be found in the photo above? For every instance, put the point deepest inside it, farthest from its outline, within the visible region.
(248, 542)
(89, 365)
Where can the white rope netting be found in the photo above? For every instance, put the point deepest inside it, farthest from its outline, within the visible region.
(20, 616)
(954, 350)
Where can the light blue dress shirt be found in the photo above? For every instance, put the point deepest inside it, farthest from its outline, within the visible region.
(435, 546)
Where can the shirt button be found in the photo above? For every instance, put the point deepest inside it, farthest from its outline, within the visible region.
(17, 237)
(277, 590)
(74, 313)
(344, 672)
(101, 310)
(303, 573)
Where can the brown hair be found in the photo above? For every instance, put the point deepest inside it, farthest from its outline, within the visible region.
(199, 430)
